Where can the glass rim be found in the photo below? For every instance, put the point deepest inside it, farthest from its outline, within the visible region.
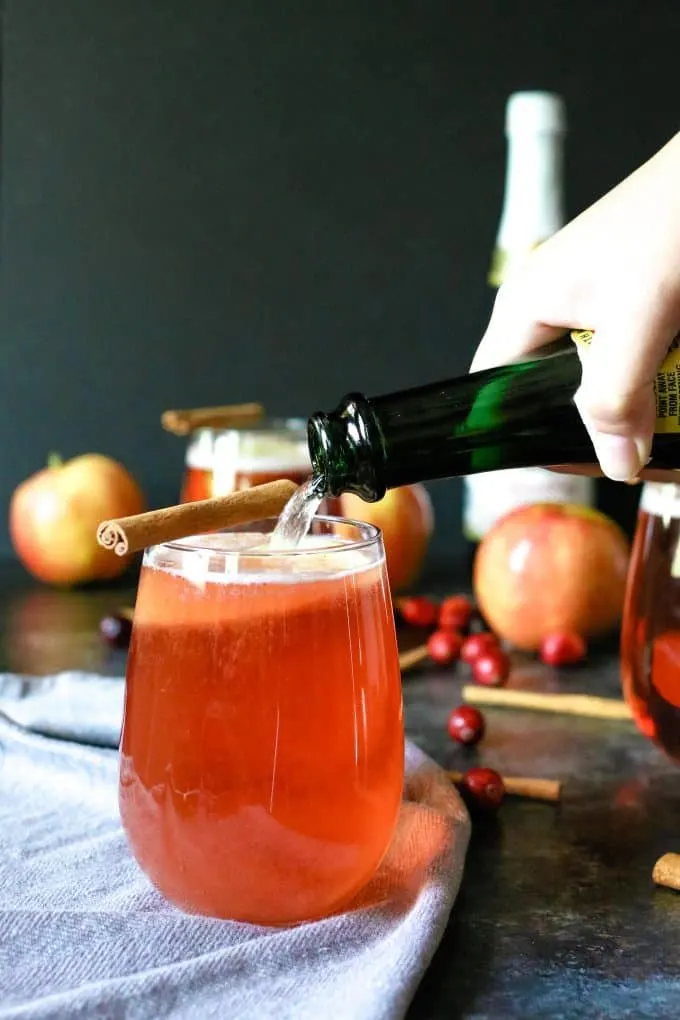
(373, 536)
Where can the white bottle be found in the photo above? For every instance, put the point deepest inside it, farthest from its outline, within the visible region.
(533, 209)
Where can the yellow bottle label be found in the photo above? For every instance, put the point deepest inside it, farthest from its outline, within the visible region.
(666, 384)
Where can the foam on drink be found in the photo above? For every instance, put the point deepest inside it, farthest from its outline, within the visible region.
(227, 557)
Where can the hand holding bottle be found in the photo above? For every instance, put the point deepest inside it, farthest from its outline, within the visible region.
(614, 269)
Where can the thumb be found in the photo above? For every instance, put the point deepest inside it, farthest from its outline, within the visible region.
(616, 397)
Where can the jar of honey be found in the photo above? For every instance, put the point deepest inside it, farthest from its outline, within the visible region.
(650, 639)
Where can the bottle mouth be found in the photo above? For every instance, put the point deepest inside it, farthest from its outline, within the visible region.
(342, 451)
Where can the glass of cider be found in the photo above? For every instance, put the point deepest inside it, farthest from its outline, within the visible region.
(262, 749)
(650, 639)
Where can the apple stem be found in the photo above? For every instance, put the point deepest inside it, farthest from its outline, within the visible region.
(55, 460)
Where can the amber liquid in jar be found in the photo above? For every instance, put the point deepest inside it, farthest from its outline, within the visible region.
(650, 639)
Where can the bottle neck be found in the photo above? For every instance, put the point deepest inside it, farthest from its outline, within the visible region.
(533, 204)
(512, 416)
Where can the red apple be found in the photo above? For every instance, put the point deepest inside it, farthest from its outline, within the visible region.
(406, 519)
(54, 514)
(551, 567)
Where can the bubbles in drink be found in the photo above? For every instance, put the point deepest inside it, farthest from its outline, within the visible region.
(297, 515)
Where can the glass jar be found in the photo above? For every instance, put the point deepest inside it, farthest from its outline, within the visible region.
(219, 461)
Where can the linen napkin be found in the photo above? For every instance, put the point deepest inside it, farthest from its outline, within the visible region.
(83, 934)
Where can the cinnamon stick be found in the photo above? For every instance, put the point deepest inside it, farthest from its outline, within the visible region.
(131, 534)
(524, 786)
(181, 423)
(564, 704)
(407, 660)
(667, 871)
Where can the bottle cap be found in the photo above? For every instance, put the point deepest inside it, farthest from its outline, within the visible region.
(535, 113)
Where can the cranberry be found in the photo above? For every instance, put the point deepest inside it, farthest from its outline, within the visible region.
(477, 645)
(444, 646)
(466, 725)
(484, 788)
(115, 630)
(562, 648)
(455, 613)
(491, 668)
(419, 611)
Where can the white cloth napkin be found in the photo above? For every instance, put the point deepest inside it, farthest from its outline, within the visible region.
(83, 934)
(75, 706)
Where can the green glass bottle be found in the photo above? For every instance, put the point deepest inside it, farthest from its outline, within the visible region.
(517, 415)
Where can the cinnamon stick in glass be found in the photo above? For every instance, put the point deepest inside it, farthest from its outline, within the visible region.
(124, 535)
(181, 423)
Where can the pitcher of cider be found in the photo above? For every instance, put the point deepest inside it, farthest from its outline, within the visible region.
(650, 640)
(219, 461)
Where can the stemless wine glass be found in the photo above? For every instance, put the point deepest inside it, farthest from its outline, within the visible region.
(262, 748)
(650, 636)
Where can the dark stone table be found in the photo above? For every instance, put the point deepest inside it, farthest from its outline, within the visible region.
(557, 916)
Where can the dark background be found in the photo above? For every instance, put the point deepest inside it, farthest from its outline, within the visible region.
(227, 200)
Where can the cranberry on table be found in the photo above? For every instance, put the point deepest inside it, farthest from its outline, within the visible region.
(444, 646)
(484, 788)
(563, 648)
(492, 668)
(478, 644)
(115, 630)
(455, 613)
(419, 611)
(466, 725)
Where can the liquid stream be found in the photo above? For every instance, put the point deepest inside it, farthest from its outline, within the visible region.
(297, 516)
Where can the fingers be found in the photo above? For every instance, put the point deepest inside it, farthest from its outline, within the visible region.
(616, 397)
(621, 455)
(511, 332)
